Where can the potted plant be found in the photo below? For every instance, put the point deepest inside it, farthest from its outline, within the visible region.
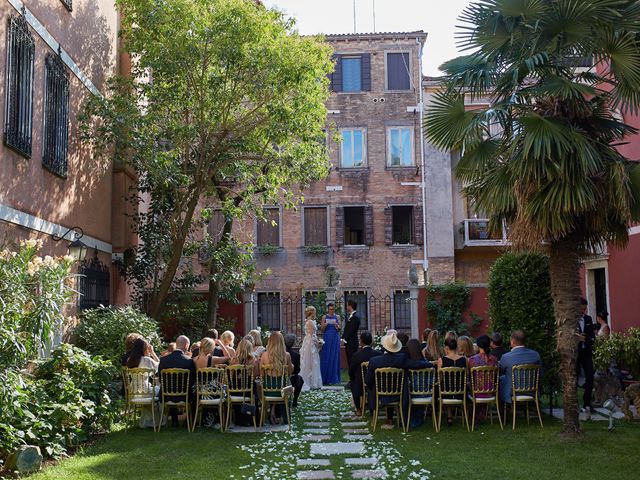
(622, 348)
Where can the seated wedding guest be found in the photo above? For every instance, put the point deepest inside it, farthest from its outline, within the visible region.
(497, 350)
(365, 354)
(212, 333)
(481, 359)
(451, 359)
(416, 360)
(143, 356)
(391, 358)
(258, 348)
(225, 342)
(603, 327)
(519, 355)
(244, 353)
(425, 338)
(179, 359)
(465, 346)
(433, 350)
(128, 346)
(170, 348)
(404, 338)
(278, 360)
(296, 380)
(205, 358)
(451, 334)
(194, 350)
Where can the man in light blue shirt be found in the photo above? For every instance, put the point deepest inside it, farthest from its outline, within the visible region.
(519, 355)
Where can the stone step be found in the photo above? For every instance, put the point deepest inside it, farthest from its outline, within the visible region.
(316, 474)
(319, 431)
(361, 461)
(337, 448)
(356, 431)
(358, 437)
(317, 424)
(313, 462)
(315, 438)
(380, 473)
(354, 424)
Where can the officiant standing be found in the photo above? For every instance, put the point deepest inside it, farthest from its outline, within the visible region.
(330, 353)
(350, 335)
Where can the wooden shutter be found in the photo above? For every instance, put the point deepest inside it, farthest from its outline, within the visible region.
(339, 226)
(368, 225)
(336, 76)
(268, 234)
(216, 225)
(417, 225)
(315, 226)
(398, 71)
(365, 65)
(388, 226)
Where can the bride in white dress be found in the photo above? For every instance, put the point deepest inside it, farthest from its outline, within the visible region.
(309, 352)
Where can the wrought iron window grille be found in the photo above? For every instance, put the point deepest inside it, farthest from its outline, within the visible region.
(56, 120)
(94, 285)
(19, 85)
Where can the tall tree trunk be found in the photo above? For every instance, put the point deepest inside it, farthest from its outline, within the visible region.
(214, 297)
(214, 285)
(565, 289)
(177, 246)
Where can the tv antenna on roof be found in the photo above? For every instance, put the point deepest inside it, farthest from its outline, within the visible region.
(354, 16)
(374, 16)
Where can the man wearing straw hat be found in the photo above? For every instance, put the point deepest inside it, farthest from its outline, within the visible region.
(392, 358)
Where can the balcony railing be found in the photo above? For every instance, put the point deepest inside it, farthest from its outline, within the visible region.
(477, 234)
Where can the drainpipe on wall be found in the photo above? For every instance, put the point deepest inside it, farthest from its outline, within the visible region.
(425, 261)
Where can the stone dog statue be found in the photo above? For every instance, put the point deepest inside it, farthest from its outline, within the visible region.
(631, 396)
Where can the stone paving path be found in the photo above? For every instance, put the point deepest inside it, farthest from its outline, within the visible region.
(327, 442)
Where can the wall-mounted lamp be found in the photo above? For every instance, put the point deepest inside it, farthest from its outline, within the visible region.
(77, 249)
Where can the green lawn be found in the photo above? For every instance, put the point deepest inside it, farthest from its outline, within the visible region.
(453, 453)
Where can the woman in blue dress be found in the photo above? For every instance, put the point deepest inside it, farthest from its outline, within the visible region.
(330, 354)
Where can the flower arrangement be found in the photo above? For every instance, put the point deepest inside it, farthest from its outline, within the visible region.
(319, 343)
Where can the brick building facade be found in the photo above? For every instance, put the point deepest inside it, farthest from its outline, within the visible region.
(365, 221)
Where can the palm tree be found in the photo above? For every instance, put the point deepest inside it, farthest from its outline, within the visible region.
(543, 156)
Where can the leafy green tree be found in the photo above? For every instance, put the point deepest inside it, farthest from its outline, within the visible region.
(223, 106)
(543, 156)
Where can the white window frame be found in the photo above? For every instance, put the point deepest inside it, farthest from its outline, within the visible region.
(412, 153)
(364, 147)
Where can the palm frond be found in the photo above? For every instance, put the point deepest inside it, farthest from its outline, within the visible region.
(447, 121)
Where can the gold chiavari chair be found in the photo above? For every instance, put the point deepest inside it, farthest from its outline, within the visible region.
(389, 384)
(140, 393)
(452, 384)
(422, 384)
(239, 388)
(210, 383)
(484, 391)
(525, 380)
(174, 387)
(273, 382)
(363, 398)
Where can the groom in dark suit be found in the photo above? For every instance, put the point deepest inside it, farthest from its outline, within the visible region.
(350, 335)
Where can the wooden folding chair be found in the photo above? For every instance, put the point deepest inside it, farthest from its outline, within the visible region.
(525, 380)
(140, 393)
(422, 384)
(389, 384)
(174, 386)
(210, 383)
(452, 382)
(363, 398)
(239, 388)
(273, 382)
(484, 391)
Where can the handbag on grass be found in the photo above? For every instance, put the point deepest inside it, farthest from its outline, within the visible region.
(247, 409)
(287, 391)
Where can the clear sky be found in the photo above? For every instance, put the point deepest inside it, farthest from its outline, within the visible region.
(436, 17)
